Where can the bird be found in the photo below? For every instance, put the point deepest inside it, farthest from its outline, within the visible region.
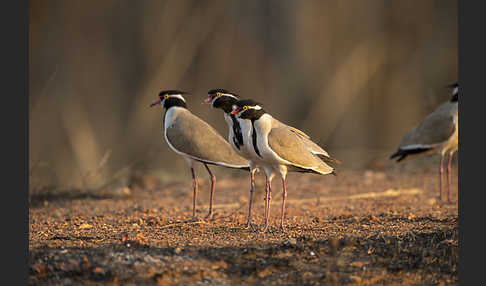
(280, 148)
(197, 141)
(224, 99)
(436, 133)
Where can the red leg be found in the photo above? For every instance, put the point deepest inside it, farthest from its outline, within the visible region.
(269, 199)
(211, 195)
(266, 201)
(284, 196)
(194, 198)
(252, 187)
(449, 177)
(441, 171)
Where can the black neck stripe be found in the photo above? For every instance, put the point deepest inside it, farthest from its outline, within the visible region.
(254, 137)
(237, 134)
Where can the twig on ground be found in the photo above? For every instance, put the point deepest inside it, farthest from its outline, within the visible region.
(183, 223)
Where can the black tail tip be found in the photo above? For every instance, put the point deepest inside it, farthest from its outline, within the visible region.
(399, 152)
(328, 159)
(404, 153)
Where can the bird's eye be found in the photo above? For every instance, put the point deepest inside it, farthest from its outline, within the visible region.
(166, 96)
(218, 94)
(245, 107)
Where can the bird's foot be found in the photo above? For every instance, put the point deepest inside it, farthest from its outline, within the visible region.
(250, 226)
(265, 228)
(209, 216)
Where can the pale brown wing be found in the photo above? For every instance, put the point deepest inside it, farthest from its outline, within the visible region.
(194, 137)
(316, 149)
(277, 124)
(434, 129)
(290, 147)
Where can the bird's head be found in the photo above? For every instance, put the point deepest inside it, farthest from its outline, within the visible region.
(248, 109)
(169, 98)
(455, 91)
(221, 98)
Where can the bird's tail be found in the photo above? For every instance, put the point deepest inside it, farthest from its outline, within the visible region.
(328, 160)
(401, 153)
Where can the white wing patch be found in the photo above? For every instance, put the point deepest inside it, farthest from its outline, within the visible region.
(178, 96)
(256, 107)
(417, 146)
(230, 95)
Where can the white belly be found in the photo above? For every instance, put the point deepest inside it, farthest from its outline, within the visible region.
(169, 118)
(245, 150)
(452, 144)
(268, 160)
(263, 127)
(247, 141)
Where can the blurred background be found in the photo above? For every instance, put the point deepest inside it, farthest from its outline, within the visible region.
(354, 75)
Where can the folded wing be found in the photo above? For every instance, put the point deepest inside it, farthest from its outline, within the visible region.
(199, 140)
(296, 150)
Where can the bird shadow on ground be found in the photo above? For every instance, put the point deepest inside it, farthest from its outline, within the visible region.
(40, 200)
(298, 260)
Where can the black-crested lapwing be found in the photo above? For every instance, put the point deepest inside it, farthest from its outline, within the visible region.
(223, 99)
(437, 133)
(195, 140)
(280, 148)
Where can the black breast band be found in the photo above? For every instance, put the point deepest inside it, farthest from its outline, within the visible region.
(254, 137)
(237, 134)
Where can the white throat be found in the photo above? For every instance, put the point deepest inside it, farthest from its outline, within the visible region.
(455, 91)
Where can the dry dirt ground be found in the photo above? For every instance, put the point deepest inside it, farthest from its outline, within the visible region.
(359, 228)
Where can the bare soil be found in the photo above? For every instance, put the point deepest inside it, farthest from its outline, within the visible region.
(359, 228)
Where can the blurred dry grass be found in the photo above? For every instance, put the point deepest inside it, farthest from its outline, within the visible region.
(355, 75)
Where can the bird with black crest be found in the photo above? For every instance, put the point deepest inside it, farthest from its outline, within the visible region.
(224, 100)
(280, 149)
(196, 141)
(437, 133)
